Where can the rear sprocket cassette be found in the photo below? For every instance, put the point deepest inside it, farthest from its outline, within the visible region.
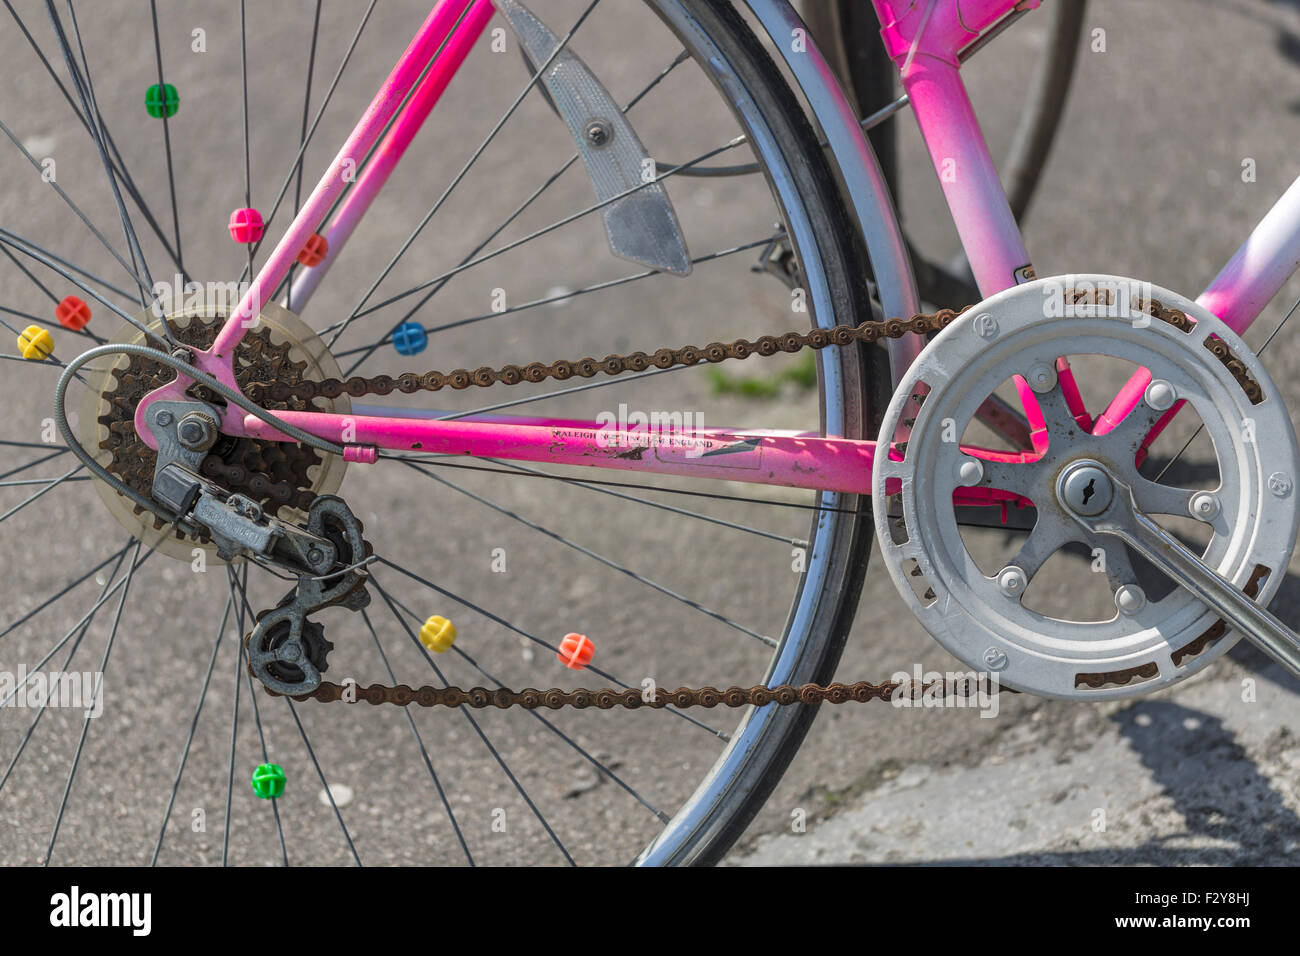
(279, 347)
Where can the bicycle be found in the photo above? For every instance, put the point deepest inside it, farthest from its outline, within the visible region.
(216, 428)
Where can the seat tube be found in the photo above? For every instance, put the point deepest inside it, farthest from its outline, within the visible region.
(923, 39)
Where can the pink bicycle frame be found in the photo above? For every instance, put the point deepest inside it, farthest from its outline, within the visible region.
(924, 38)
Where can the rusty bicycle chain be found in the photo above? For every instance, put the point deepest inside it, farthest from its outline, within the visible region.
(867, 332)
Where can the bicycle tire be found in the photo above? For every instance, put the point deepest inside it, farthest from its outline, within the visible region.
(866, 385)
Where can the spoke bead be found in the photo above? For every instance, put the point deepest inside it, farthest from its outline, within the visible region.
(72, 313)
(576, 651)
(162, 101)
(438, 634)
(268, 781)
(409, 338)
(246, 226)
(35, 343)
(314, 251)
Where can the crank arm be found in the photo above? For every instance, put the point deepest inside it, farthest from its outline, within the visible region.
(1122, 519)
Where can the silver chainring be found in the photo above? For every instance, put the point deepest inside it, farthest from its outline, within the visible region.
(1024, 331)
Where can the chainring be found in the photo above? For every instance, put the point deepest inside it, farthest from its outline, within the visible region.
(1133, 645)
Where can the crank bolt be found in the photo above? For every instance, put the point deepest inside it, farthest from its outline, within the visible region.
(35, 343)
(313, 253)
(197, 432)
(409, 338)
(1012, 581)
(970, 472)
(1204, 506)
(1084, 489)
(1160, 395)
(1041, 378)
(995, 659)
(246, 226)
(1279, 484)
(576, 651)
(268, 781)
(72, 313)
(1130, 599)
(438, 634)
(162, 101)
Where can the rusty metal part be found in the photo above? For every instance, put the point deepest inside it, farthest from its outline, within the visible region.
(531, 699)
(867, 332)
(275, 473)
(785, 694)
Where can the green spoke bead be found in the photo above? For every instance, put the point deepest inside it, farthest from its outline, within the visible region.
(268, 781)
(162, 100)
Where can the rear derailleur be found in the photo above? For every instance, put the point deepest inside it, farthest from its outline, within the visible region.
(286, 651)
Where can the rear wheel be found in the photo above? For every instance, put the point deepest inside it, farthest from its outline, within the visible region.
(671, 585)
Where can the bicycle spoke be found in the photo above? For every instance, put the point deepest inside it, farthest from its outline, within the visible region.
(232, 581)
(19, 483)
(85, 725)
(500, 250)
(167, 136)
(66, 588)
(86, 617)
(230, 771)
(27, 272)
(795, 542)
(130, 268)
(1201, 427)
(302, 145)
(428, 761)
(81, 634)
(323, 782)
(131, 188)
(296, 167)
(71, 266)
(248, 174)
(607, 771)
(442, 463)
(86, 93)
(607, 562)
(50, 486)
(519, 210)
(370, 349)
(474, 157)
(31, 464)
(464, 602)
(41, 320)
(194, 724)
(505, 768)
(41, 255)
